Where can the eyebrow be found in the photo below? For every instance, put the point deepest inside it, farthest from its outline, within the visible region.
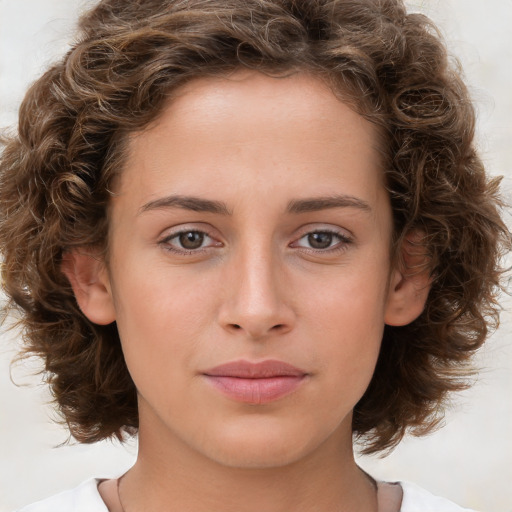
(195, 204)
(296, 206)
(325, 203)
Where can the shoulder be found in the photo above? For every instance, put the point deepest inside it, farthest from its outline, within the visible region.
(84, 498)
(416, 499)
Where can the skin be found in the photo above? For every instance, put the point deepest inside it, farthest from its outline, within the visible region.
(257, 287)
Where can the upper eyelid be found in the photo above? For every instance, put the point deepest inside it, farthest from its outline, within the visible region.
(325, 228)
(340, 235)
(175, 234)
(333, 231)
(173, 231)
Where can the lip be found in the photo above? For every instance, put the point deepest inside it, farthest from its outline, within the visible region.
(255, 383)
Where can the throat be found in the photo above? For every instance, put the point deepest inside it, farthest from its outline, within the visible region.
(124, 495)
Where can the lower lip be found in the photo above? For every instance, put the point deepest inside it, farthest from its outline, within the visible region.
(256, 391)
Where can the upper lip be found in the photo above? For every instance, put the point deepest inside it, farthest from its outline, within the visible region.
(261, 370)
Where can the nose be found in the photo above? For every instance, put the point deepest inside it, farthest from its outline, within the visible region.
(256, 299)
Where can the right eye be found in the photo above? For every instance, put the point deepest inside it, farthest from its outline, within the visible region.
(188, 241)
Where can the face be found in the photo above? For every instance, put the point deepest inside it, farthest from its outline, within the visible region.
(249, 271)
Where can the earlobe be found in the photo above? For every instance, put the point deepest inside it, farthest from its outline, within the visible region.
(88, 277)
(410, 284)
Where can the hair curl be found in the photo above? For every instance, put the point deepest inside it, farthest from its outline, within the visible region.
(392, 67)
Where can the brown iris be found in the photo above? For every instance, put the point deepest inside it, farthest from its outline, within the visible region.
(321, 240)
(191, 239)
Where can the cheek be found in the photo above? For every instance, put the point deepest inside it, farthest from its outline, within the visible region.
(346, 318)
(350, 300)
(161, 316)
(160, 296)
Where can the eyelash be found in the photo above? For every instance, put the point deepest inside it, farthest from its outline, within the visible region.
(341, 245)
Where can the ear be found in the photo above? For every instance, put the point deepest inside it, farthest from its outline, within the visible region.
(410, 282)
(88, 276)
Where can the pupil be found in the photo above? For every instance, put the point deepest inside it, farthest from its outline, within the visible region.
(191, 240)
(320, 240)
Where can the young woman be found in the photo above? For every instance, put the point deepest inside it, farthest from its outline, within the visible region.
(251, 232)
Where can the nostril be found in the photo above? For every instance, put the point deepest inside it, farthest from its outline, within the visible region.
(255, 332)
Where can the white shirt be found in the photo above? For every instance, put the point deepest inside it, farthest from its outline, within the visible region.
(86, 498)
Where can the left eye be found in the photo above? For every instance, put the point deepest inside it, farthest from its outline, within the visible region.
(321, 240)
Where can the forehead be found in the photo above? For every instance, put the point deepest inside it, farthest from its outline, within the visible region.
(252, 126)
(247, 97)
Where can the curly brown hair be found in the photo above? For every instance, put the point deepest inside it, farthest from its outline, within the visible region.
(56, 177)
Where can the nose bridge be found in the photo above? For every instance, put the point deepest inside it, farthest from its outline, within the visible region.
(256, 301)
(258, 284)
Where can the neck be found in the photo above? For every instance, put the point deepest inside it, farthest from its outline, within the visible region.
(171, 474)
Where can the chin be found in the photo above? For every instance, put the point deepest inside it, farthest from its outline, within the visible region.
(269, 446)
(253, 457)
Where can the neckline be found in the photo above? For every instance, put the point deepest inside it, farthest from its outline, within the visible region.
(389, 494)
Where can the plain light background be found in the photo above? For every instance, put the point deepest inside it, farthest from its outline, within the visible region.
(468, 461)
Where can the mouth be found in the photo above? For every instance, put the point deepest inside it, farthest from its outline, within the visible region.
(255, 383)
